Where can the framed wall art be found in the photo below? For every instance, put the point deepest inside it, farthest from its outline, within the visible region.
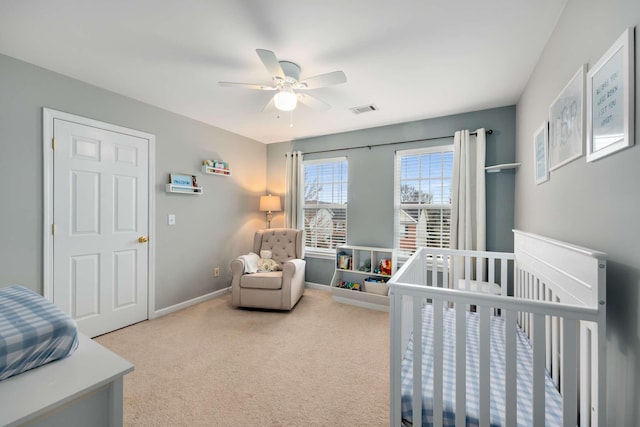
(610, 100)
(541, 154)
(566, 122)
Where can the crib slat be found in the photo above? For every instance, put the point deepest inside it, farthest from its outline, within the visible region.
(538, 370)
(547, 322)
(510, 367)
(555, 348)
(485, 384)
(467, 272)
(417, 361)
(445, 271)
(437, 362)
(434, 270)
(569, 372)
(461, 368)
(585, 375)
(456, 272)
(492, 273)
(504, 269)
(479, 272)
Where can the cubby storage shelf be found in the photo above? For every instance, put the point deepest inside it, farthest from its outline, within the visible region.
(216, 171)
(183, 189)
(359, 263)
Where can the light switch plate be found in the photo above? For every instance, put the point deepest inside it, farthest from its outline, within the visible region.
(171, 219)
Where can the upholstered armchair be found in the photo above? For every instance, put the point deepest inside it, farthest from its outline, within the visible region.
(279, 290)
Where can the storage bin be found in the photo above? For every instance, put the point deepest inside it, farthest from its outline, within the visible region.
(376, 288)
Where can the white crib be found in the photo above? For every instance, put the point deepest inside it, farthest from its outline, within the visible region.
(548, 296)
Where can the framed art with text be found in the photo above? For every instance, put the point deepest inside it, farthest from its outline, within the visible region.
(541, 154)
(566, 122)
(610, 100)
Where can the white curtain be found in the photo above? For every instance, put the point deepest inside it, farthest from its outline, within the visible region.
(294, 191)
(468, 201)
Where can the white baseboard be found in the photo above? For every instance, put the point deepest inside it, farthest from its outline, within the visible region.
(320, 286)
(363, 304)
(189, 303)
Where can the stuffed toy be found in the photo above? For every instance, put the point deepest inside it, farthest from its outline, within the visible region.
(266, 262)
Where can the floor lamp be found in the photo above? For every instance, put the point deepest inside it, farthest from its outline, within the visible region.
(270, 204)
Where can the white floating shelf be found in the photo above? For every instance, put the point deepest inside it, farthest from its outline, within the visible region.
(183, 189)
(498, 168)
(216, 171)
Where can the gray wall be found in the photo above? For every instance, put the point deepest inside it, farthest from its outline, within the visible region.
(211, 229)
(590, 204)
(370, 204)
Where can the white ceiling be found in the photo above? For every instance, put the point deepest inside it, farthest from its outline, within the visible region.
(413, 59)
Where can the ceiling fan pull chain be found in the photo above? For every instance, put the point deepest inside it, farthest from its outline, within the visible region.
(291, 118)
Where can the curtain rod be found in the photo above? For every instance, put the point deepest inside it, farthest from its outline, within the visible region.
(489, 132)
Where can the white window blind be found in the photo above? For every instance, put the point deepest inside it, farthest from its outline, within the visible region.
(325, 203)
(422, 199)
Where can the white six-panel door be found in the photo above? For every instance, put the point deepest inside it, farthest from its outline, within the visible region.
(101, 213)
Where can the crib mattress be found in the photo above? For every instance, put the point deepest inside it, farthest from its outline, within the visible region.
(553, 400)
(33, 331)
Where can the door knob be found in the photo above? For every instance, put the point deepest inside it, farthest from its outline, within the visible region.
(143, 239)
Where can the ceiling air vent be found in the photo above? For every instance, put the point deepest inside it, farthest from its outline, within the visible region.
(364, 109)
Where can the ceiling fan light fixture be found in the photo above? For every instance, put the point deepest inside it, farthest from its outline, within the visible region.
(285, 100)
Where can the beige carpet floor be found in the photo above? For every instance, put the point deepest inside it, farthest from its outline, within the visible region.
(323, 364)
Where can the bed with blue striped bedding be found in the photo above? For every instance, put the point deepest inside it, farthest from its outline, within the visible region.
(553, 400)
(33, 331)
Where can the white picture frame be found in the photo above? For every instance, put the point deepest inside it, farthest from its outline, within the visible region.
(541, 154)
(566, 122)
(610, 100)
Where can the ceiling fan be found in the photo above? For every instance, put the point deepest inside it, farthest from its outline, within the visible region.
(286, 81)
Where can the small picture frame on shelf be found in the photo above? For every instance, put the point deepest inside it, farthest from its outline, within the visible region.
(541, 154)
(610, 100)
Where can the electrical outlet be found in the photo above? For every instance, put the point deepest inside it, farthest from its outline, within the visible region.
(216, 272)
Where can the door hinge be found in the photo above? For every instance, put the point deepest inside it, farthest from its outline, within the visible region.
(53, 229)
(53, 143)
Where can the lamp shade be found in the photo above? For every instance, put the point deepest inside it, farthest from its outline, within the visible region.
(270, 203)
(285, 100)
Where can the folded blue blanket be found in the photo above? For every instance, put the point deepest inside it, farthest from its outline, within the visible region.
(33, 331)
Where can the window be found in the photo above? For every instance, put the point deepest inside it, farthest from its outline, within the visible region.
(325, 203)
(423, 199)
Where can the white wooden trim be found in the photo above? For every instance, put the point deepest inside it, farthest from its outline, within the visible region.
(189, 303)
(48, 116)
(319, 286)
(358, 303)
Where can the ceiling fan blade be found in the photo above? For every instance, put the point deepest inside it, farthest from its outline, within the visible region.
(269, 106)
(270, 61)
(313, 102)
(254, 86)
(322, 80)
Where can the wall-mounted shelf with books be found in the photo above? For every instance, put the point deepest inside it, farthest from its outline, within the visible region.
(183, 183)
(216, 167)
(500, 168)
(361, 274)
(183, 189)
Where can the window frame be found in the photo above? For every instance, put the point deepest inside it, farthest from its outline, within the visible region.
(399, 206)
(312, 251)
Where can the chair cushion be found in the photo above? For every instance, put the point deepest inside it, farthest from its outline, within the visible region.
(267, 280)
(281, 242)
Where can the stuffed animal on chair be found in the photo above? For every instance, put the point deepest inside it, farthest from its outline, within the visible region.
(266, 262)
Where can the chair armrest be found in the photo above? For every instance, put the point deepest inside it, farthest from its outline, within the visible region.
(237, 267)
(290, 267)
